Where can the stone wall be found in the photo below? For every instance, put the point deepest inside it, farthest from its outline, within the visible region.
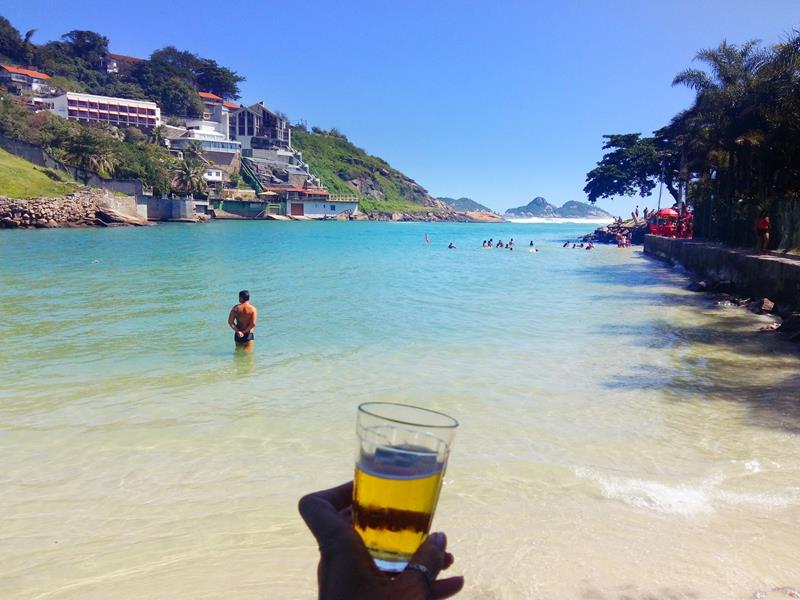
(37, 156)
(85, 208)
(744, 272)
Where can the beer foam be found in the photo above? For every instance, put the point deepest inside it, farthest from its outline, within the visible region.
(401, 462)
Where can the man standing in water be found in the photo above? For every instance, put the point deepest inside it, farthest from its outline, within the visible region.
(242, 319)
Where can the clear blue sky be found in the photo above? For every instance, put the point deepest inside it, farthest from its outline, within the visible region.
(495, 100)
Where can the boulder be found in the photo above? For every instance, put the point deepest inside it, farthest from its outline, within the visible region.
(764, 305)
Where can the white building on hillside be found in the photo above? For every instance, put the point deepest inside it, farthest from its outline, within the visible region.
(19, 79)
(122, 112)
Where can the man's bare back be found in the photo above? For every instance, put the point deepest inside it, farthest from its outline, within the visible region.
(242, 319)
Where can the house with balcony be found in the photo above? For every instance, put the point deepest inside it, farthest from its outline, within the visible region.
(19, 80)
(122, 112)
(259, 128)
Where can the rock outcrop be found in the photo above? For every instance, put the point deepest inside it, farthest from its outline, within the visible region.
(89, 207)
(609, 234)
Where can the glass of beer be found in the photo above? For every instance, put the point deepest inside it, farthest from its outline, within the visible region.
(402, 456)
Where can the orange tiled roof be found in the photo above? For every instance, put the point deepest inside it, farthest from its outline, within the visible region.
(231, 105)
(208, 96)
(28, 72)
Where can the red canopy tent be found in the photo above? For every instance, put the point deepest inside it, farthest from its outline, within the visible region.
(669, 223)
(668, 212)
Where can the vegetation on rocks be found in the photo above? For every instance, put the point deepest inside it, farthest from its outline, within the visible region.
(347, 169)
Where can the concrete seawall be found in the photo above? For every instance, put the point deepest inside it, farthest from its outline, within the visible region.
(772, 276)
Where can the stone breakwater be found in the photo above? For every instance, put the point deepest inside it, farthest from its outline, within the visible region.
(608, 233)
(84, 208)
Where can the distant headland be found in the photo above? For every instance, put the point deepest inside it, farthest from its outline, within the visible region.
(542, 209)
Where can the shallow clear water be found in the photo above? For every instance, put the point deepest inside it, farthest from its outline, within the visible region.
(620, 438)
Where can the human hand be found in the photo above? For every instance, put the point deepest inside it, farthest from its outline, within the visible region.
(346, 570)
(239, 333)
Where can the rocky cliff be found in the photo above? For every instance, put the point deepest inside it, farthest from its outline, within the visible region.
(347, 169)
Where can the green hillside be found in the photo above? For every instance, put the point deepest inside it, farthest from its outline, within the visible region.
(21, 179)
(347, 169)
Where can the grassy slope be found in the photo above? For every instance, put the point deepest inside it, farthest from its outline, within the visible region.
(21, 179)
(335, 160)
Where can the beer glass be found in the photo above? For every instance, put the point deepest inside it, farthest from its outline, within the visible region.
(401, 460)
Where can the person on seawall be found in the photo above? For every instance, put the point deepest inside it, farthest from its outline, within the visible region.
(762, 231)
(346, 570)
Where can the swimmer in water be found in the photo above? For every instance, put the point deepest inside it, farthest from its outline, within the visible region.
(242, 319)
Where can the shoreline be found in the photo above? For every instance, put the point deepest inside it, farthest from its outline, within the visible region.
(762, 283)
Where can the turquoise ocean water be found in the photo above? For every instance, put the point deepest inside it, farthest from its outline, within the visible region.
(619, 434)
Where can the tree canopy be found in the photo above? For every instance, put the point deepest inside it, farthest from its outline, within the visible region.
(171, 77)
(734, 152)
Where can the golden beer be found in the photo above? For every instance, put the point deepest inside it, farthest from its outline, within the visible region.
(396, 490)
(402, 455)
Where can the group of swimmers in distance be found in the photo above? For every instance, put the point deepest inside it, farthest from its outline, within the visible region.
(587, 246)
(490, 243)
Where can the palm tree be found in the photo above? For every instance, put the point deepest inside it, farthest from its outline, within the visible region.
(188, 178)
(158, 136)
(724, 128)
(102, 162)
(194, 151)
(27, 47)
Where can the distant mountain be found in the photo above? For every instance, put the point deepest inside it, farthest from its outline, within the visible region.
(541, 208)
(538, 207)
(581, 210)
(465, 204)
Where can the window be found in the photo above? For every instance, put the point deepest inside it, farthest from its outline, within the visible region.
(333, 207)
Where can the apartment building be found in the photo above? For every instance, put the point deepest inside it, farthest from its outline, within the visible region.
(122, 112)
